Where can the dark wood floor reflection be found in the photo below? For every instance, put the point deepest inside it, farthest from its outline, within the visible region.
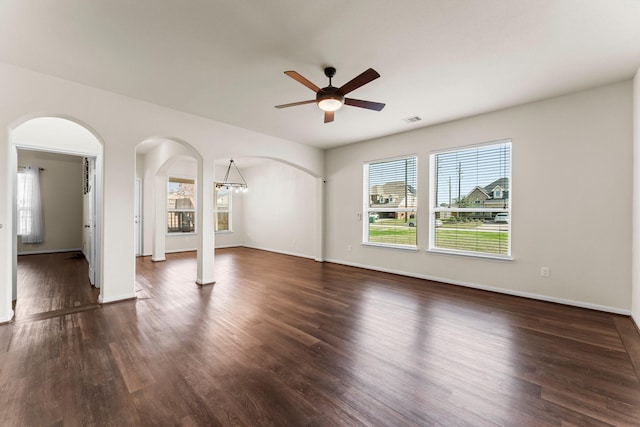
(51, 284)
(285, 341)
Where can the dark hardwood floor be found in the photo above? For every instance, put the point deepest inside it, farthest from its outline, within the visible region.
(50, 284)
(285, 341)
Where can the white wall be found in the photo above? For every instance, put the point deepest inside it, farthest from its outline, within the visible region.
(61, 198)
(121, 123)
(572, 175)
(279, 210)
(635, 296)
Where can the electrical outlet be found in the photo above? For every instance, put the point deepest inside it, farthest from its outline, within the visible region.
(349, 248)
(545, 271)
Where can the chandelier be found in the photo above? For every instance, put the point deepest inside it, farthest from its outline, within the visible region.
(226, 183)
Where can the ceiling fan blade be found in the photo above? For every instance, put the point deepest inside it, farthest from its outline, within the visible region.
(297, 77)
(328, 116)
(293, 104)
(358, 81)
(364, 104)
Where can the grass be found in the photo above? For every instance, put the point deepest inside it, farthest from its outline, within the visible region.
(492, 242)
(392, 234)
(474, 241)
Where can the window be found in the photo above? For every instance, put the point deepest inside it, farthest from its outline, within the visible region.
(471, 200)
(390, 202)
(29, 209)
(181, 205)
(222, 208)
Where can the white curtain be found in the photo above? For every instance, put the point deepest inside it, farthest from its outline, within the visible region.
(29, 205)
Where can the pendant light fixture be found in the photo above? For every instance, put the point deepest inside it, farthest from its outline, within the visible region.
(238, 186)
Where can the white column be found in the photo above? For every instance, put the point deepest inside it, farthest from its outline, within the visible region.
(205, 225)
(159, 218)
(320, 202)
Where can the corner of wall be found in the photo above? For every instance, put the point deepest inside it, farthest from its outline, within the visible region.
(635, 245)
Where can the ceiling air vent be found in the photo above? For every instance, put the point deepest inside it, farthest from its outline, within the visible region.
(412, 119)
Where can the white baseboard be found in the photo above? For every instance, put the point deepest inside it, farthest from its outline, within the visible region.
(280, 252)
(50, 251)
(177, 251)
(7, 318)
(539, 297)
(636, 321)
(116, 298)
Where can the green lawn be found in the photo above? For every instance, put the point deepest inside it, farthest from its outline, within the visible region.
(475, 241)
(446, 238)
(397, 235)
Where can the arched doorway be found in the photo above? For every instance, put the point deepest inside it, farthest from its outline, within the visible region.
(51, 139)
(160, 163)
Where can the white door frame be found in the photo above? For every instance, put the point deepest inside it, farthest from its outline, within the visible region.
(137, 218)
(97, 202)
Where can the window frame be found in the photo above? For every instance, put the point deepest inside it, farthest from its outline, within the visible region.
(193, 211)
(217, 209)
(367, 210)
(433, 210)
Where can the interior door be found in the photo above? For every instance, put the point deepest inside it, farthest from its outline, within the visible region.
(138, 217)
(92, 221)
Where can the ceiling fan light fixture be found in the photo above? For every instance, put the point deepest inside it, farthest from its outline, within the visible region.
(331, 98)
(330, 103)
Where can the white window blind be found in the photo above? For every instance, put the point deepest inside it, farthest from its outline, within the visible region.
(471, 200)
(390, 202)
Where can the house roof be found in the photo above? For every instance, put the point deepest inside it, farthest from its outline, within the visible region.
(439, 60)
(502, 182)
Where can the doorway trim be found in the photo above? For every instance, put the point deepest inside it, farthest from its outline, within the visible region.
(13, 167)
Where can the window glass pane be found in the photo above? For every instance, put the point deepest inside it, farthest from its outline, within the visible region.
(473, 232)
(391, 202)
(181, 222)
(395, 228)
(222, 206)
(181, 194)
(181, 205)
(393, 183)
(222, 198)
(466, 177)
(23, 195)
(471, 202)
(222, 221)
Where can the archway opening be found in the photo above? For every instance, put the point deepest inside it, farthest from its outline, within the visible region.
(60, 265)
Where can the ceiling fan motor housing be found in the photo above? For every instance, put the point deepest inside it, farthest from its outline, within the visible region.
(329, 92)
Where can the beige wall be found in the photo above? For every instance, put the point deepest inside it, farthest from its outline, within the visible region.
(62, 205)
(579, 145)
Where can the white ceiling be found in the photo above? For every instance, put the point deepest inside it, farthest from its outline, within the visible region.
(439, 59)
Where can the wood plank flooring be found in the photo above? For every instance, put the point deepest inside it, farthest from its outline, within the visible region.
(52, 284)
(285, 341)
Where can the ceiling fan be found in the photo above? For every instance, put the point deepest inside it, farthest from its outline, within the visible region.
(330, 98)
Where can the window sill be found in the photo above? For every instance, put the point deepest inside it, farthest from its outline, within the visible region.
(191, 233)
(390, 246)
(224, 232)
(471, 254)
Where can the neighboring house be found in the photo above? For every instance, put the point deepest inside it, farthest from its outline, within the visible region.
(392, 195)
(494, 195)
